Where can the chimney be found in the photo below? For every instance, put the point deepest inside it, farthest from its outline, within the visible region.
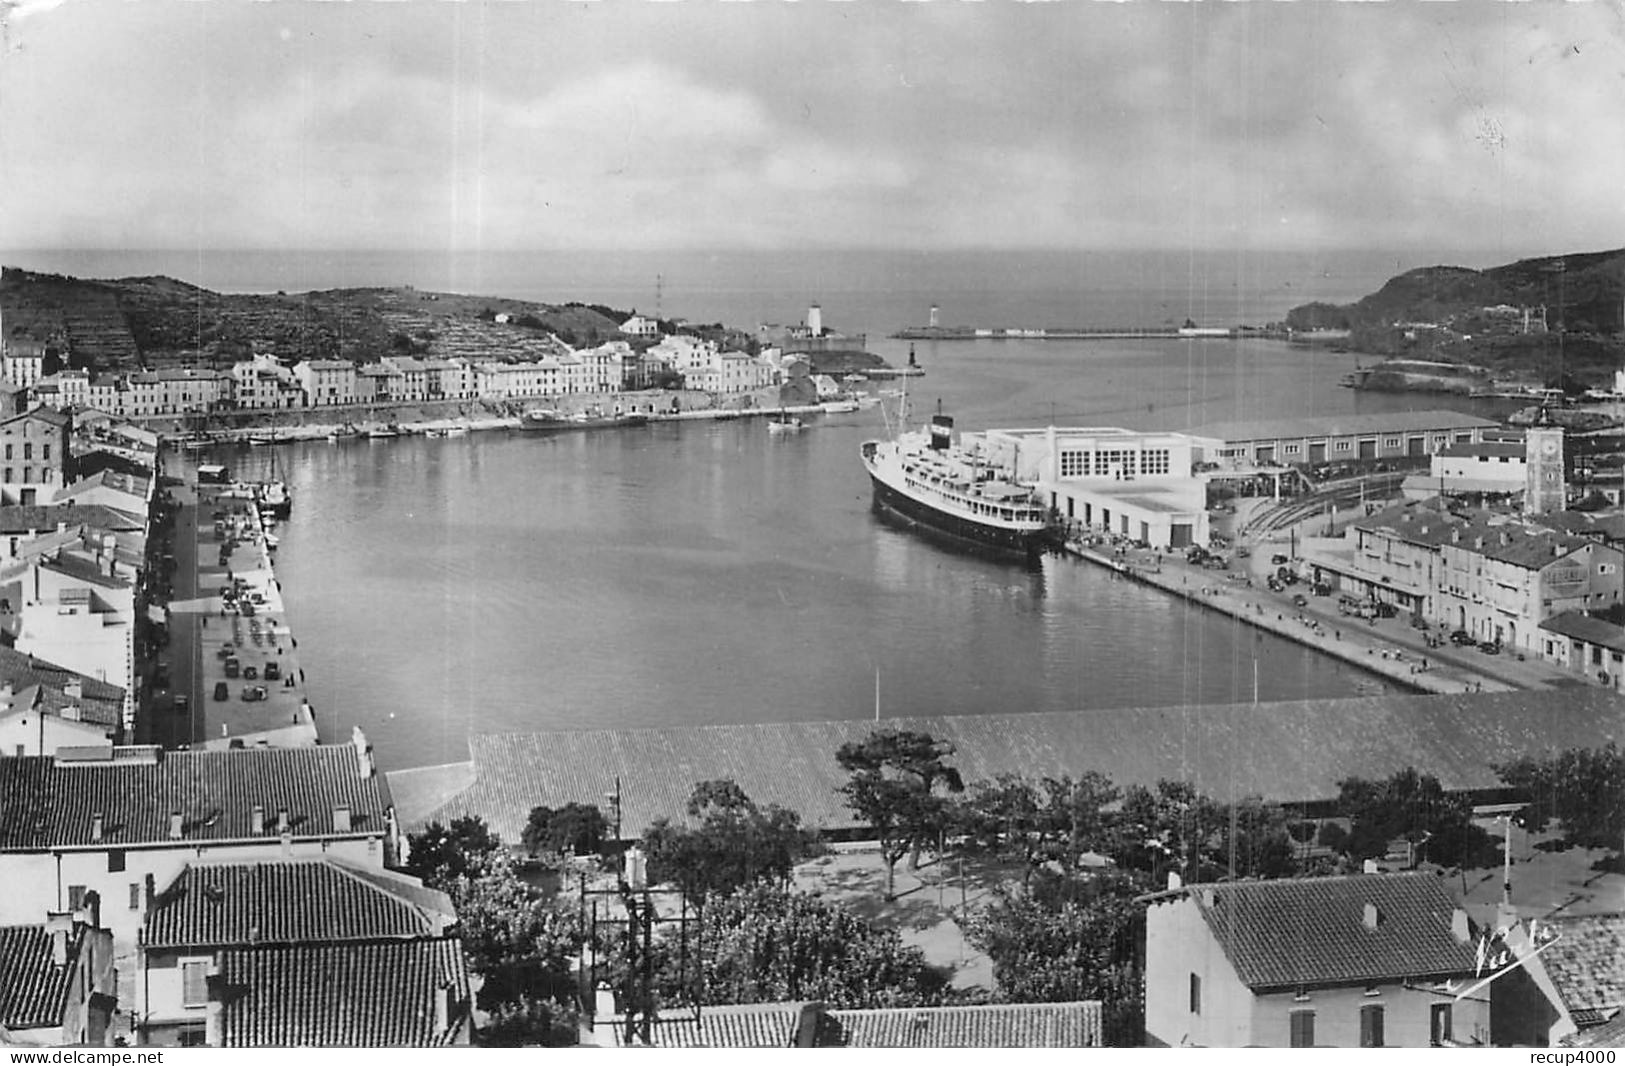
(282, 819)
(1370, 866)
(1371, 918)
(807, 1022)
(286, 838)
(1460, 928)
(96, 824)
(341, 817)
(1175, 882)
(363, 752)
(442, 1007)
(175, 825)
(59, 947)
(256, 820)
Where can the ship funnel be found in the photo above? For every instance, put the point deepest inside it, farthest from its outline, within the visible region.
(942, 432)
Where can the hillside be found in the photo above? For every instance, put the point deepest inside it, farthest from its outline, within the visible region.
(153, 322)
(1546, 318)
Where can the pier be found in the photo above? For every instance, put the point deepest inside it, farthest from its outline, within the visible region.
(969, 333)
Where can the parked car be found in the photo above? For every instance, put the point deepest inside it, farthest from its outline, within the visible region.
(1489, 647)
(1386, 610)
(1300, 600)
(183, 704)
(1274, 584)
(251, 673)
(1286, 575)
(253, 693)
(233, 667)
(1462, 637)
(222, 691)
(273, 672)
(1320, 588)
(1279, 560)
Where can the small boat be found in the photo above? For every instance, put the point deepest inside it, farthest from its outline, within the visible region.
(548, 421)
(839, 407)
(260, 442)
(784, 423)
(854, 379)
(456, 431)
(382, 433)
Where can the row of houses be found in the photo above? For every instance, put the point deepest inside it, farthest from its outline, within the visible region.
(1540, 586)
(263, 383)
(239, 898)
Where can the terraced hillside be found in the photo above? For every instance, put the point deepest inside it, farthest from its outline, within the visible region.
(154, 322)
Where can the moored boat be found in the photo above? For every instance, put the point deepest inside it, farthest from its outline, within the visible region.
(784, 423)
(924, 479)
(547, 421)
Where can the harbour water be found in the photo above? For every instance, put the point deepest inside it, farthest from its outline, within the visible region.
(713, 572)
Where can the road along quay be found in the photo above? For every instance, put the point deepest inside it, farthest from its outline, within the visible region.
(1390, 648)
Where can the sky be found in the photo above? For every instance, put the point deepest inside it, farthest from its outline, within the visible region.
(765, 125)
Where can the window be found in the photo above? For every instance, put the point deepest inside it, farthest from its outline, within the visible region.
(1196, 994)
(1074, 463)
(1439, 1024)
(195, 983)
(1390, 442)
(1155, 461)
(193, 1036)
(1342, 446)
(1371, 1026)
(76, 897)
(1303, 1028)
(46, 455)
(115, 861)
(28, 450)
(135, 895)
(8, 451)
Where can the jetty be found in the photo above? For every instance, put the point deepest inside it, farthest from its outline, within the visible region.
(970, 333)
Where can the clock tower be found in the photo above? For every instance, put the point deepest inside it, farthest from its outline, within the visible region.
(1544, 487)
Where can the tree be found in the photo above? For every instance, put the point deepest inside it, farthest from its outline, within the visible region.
(1049, 949)
(736, 843)
(1078, 808)
(893, 788)
(442, 855)
(1582, 789)
(1172, 827)
(766, 944)
(1256, 840)
(1415, 807)
(530, 1022)
(520, 944)
(576, 827)
(1005, 818)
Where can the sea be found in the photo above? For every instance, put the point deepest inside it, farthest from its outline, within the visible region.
(711, 572)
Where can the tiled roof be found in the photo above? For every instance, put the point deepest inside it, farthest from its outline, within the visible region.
(1609, 1034)
(1580, 626)
(1587, 961)
(112, 479)
(84, 570)
(48, 802)
(379, 994)
(19, 518)
(758, 1025)
(1012, 1025)
(1291, 751)
(33, 991)
(1311, 931)
(23, 670)
(292, 901)
(1343, 426)
(40, 414)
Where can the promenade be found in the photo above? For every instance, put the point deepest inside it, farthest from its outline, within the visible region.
(1390, 647)
(219, 544)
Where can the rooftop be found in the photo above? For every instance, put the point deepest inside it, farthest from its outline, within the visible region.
(50, 801)
(1344, 426)
(1578, 625)
(33, 989)
(1002, 1025)
(1312, 931)
(1587, 962)
(1292, 751)
(372, 994)
(1486, 450)
(292, 901)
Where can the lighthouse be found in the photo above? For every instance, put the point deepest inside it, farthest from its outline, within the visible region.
(815, 321)
(933, 316)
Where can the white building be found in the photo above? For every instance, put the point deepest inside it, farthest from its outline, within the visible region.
(1109, 480)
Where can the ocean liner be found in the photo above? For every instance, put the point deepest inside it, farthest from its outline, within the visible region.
(923, 478)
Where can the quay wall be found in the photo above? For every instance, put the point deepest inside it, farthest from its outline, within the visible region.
(1351, 644)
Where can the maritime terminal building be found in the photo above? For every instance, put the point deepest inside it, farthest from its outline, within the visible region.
(1137, 485)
